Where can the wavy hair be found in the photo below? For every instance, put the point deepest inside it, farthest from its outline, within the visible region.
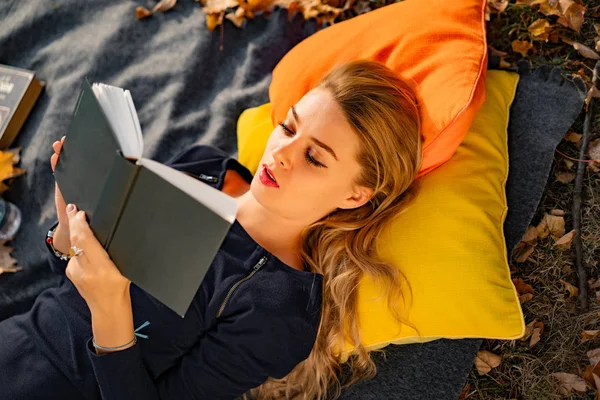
(382, 109)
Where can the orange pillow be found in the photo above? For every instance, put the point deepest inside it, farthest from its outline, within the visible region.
(438, 45)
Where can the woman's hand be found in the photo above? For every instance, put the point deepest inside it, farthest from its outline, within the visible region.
(61, 234)
(96, 277)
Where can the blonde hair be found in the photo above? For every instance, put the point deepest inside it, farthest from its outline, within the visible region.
(382, 110)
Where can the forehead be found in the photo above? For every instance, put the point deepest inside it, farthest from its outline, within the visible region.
(321, 117)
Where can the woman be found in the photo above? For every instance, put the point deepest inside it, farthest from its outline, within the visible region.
(281, 292)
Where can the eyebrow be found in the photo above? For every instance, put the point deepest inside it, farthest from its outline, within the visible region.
(317, 141)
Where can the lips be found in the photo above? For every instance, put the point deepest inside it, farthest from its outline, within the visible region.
(270, 173)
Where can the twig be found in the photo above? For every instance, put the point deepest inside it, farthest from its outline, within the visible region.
(581, 167)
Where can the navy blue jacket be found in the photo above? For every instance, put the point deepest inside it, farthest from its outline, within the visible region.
(252, 317)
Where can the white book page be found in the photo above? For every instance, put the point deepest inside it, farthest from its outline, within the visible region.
(120, 111)
(222, 204)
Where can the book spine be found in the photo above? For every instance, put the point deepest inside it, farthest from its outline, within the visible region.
(113, 200)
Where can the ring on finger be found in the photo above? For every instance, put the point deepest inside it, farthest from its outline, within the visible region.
(75, 251)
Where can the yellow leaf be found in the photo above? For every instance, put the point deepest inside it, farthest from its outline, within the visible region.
(540, 29)
(485, 361)
(549, 9)
(521, 46)
(213, 20)
(573, 137)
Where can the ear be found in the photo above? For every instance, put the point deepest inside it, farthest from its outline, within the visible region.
(360, 196)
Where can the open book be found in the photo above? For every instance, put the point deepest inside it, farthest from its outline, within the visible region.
(160, 226)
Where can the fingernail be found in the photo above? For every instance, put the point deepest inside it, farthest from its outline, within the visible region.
(70, 208)
(62, 137)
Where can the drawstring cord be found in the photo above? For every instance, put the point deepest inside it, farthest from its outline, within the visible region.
(145, 324)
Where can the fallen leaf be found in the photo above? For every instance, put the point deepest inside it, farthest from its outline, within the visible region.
(213, 20)
(590, 371)
(540, 29)
(485, 361)
(536, 335)
(570, 383)
(594, 355)
(573, 291)
(557, 212)
(237, 17)
(592, 93)
(498, 5)
(522, 251)
(521, 46)
(587, 335)
(142, 12)
(16, 152)
(585, 51)
(573, 16)
(595, 285)
(521, 286)
(525, 297)
(530, 235)
(565, 177)
(7, 263)
(164, 5)
(573, 137)
(551, 225)
(564, 243)
(550, 9)
(594, 150)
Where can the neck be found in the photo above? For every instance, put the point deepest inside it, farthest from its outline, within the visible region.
(279, 236)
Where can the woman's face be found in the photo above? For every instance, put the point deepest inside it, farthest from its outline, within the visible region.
(312, 158)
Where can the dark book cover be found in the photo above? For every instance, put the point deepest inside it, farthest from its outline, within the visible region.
(151, 219)
(19, 90)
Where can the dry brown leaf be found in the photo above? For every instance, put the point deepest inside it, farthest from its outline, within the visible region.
(569, 164)
(564, 243)
(594, 284)
(237, 17)
(521, 46)
(142, 12)
(530, 235)
(213, 20)
(522, 251)
(218, 6)
(594, 355)
(557, 212)
(565, 177)
(525, 297)
(592, 93)
(573, 16)
(521, 286)
(7, 263)
(164, 5)
(497, 6)
(485, 361)
(540, 29)
(594, 150)
(16, 152)
(570, 383)
(549, 9)
(573, 291)
(590, 371)
(587, 335)
(551, 225)
(573, 137)
(535, 337)
(585, 51)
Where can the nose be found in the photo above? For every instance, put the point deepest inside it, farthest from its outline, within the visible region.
(283, 155)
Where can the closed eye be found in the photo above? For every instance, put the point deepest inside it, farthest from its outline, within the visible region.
(307, 155)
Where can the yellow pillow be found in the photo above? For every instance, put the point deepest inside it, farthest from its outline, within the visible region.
(450, 243)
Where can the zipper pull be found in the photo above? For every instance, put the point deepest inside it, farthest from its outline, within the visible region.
(208, 178)
(260, 263)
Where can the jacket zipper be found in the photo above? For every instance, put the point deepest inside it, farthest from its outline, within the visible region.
(255, 269)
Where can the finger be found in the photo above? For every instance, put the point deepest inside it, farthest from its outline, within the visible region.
(82, 236)
(53, 161)
(55, 146)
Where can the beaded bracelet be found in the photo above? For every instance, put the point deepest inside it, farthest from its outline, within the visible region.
(134, 341)
(50, 243)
